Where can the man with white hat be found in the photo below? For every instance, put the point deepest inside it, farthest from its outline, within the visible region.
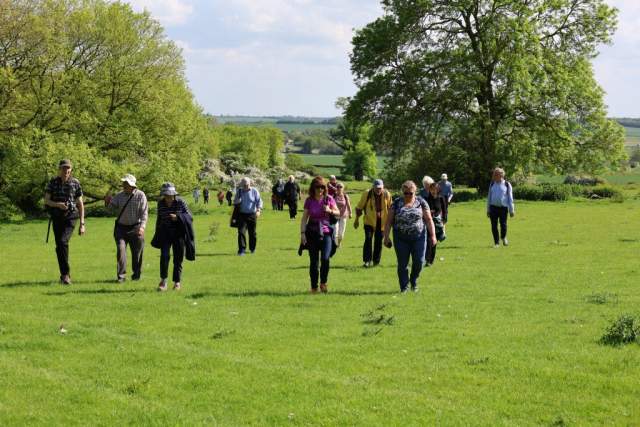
(446, 191)
(374, 204)
(249, 204)
(131, 204)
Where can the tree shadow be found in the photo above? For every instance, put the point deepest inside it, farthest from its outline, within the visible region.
(252, 294)
(26, 283)
(448, 247)
(98, 292)
(228, 254)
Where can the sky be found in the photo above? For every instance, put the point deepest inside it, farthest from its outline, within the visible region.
(291, 57)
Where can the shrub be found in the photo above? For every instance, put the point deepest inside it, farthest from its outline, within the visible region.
(584, 180)
(556, 193)
(527, 192)
(623, 331)
(607, 191)
(465, 195)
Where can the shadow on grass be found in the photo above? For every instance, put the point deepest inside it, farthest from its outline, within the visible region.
(21, 284)
(441, 247)
(307, 292)
(98, 291)
(218, 254)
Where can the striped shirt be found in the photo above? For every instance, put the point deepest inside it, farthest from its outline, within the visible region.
(136, 211)
(164, 220)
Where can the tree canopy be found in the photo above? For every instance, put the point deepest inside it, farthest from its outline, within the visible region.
(462, 86)
(95, 82)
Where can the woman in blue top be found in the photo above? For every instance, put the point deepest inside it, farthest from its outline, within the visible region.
(499, 204)
(316, 234)
(411, 218)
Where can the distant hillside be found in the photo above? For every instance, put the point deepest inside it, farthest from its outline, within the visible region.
(628, 122)
(284, 123)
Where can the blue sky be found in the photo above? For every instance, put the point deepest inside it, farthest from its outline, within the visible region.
(277, 57)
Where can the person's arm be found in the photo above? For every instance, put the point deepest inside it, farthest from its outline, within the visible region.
(143, 215)
(49, 202)
(489, 202)
(303, 227)
(81, 211)
(258, 203)
(387, 226)
(348, 206)
(359, 209)
(331, 208)
(510, 200)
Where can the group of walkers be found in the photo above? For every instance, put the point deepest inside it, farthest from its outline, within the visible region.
(418, 219)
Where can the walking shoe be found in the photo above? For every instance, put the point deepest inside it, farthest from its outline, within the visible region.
(253, 251)
(414, 288)
(121, 280)
(134, 277)
(162, 286)
(505, 242)
(314, 290)
(323, 288)
(367, 264)
(176, 286)
(340, 246)
(375, 264)
(66, 280)
(497, 245)
(241, 253)
(404, 290)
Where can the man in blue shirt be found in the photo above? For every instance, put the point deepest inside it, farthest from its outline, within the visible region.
(249, 204)
(446, 191)
(499, 203)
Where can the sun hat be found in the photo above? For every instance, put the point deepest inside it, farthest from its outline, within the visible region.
(129, 179)
(378, 183)
(444, 176)
(65, 163)
(168, 189)
(245, 181)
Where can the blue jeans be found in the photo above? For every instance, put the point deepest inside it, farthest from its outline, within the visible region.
(178, 255)
(319, 251)
(409, 245)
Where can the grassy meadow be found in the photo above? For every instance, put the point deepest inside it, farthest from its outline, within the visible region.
(504, 336)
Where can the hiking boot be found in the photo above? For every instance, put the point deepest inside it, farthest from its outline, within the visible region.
(323, 288)
(375, 264)
(367, 264)
(497, 245)
(253, 251)
(314, 290)
(414, 288)
(241, 253)
(176, 286)
(135, 278)
(121, 280)
(505, 242)
(162, 286)
(65, 280)
(404, 290)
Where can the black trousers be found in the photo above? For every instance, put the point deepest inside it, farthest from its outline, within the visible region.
(498, 213)
(63, 230)
(293, 208)
(128, 235)
(319, 250)
(246, 222)
(372, 236)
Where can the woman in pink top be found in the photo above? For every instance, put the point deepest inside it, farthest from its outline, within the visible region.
(316, 233)
(344, 206)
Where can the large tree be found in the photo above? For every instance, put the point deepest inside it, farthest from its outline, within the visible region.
(93, 81)
(463, 86)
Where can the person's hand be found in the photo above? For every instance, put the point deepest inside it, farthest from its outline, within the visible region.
(511, 215)
(108, 200)
(327, 209)
(434, 241)
(488, 215)
(81, 230)
(356, 223)
(303, 239)
(350, 216)
(63, 206)
(387, 241)
(257, 214)
(140, 231)
(174, 217)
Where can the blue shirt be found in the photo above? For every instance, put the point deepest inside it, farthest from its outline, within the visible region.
(446, 190)
(501, 195)
(250, 201)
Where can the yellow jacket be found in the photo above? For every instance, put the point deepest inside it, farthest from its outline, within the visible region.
(367, 204)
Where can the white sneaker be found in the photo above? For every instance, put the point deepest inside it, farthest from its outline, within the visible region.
(505, 242)
(496, 245)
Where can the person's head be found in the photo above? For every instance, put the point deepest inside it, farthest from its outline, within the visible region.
(280, 181)
(378, 186)
(168, 191)
(318, 187)
(444, 177)
(409, 190)
(245, 183)
(128, 183)
(65, 168)
(291, 178)
(332, 178)
(340, 188)
(498, 174)
(427, 181)
(434, 189)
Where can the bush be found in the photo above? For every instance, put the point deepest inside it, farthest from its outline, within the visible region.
(556, 193)
(465, 195)
(610, 191)
(625, 330)
(584, 180)
(345, 177)
(527, 192)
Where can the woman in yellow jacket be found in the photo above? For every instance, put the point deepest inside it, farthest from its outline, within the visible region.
(374, 204)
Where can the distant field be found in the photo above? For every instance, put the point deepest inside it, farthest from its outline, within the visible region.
(265, 121)
(334, 160)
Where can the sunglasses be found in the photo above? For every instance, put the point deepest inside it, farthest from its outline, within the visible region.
(407, 194)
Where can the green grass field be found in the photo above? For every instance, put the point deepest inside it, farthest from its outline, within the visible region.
(264, 121)
(494, 336)
(324, 161)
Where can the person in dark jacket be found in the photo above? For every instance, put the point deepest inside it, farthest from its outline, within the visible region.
(438, 207)
(174, 228)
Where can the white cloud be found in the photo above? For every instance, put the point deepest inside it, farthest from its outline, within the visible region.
(168, 12)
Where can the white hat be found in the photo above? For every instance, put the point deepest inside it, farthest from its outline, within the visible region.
(129, 179)
(444, 176)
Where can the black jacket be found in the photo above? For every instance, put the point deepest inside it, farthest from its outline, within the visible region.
(185, 226)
